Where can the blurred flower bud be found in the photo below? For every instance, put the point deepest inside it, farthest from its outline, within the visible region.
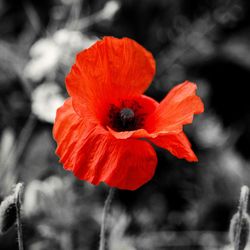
(8, 209)
(244, 232)
(240, 223)
(7, 214)
(46, 99)
(110, 8)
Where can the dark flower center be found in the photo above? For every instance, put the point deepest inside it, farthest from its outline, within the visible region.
(125, 117)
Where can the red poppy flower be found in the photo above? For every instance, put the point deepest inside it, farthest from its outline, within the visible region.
(101, 129)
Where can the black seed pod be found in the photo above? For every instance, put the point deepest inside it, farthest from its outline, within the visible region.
(7, 213)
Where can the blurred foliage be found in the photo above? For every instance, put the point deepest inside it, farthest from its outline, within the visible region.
(185, 206)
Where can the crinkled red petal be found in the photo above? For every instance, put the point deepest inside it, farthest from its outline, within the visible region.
(164, 126)
(124, 164)
(176, 110)
(94, 155)
(176, 144)
(68, 129)
(109, 70)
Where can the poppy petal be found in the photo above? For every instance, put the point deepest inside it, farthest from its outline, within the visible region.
(67, 130)
(176, 110)
(176, 144)
(109, 70)
(125, 164)
(94, 155)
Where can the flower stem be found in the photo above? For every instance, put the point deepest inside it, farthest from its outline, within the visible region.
(104, 218)
(18, 192)
(242, 210)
